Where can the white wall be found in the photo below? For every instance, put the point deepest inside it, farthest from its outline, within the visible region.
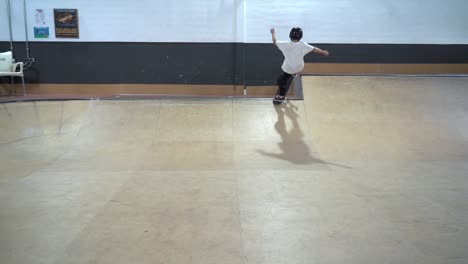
(325, 21)
(361, 21)
(134, 21)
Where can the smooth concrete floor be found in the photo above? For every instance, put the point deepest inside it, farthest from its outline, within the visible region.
(364, 170)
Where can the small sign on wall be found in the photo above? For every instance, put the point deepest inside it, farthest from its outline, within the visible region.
(41, 32)
(66, 23)
(40, 17)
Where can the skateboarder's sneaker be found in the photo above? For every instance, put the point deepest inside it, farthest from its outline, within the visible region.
(278, 99)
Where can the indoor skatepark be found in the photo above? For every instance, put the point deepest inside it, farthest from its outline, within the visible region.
(145, 132)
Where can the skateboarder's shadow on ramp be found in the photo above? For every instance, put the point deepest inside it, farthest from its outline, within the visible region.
(292, 145)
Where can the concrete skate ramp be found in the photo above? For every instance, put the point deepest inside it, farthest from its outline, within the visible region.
(364, 170)
(388, 118)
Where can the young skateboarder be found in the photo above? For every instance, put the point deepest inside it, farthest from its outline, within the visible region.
(294, 52)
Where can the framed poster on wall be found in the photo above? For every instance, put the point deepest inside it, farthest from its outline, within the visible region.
(66, 23)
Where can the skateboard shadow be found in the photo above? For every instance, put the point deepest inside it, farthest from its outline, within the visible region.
(293, 147)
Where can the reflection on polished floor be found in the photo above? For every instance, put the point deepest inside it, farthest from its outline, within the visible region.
(364, 170)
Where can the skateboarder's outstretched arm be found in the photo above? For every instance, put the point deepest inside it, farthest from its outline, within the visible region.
(320, 51)
(273, 35)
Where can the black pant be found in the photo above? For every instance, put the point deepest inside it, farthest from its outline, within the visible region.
(284, 81)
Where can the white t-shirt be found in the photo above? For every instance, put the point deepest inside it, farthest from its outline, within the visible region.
(294, 53)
